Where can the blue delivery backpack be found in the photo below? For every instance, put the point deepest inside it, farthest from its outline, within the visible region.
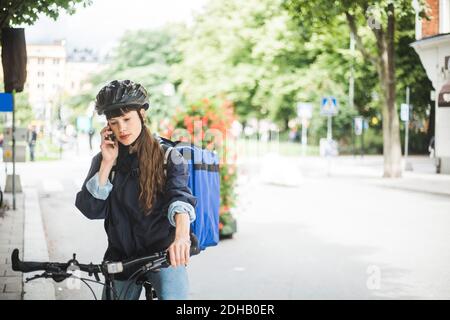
(204, 182)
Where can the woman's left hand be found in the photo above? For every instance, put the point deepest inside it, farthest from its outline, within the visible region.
(179, 251)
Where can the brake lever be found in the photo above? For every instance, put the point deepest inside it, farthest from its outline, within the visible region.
(96, 276)
(157, 264)
(95, 273)
(58, 277)
(43, 275)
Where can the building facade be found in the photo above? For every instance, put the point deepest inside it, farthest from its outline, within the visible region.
(433, 47)
(46, 67)
(53, 74)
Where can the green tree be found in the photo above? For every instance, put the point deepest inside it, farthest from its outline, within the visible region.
(17, 12)
(334, 63)
(146, 57)
(250, 52)
(24, 114)
(373, 25)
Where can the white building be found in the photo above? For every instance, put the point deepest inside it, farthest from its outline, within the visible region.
(433, 48)
(53, 73)
(80, 64)
(46, 67)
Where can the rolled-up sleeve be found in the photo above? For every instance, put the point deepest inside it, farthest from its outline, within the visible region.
(97, 191)
(90, 206)
(178, 194)
(180, 207)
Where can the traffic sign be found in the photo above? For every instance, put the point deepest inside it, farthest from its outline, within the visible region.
(329, 106)
(20, 134)
(6, 102)
(328, 148)
(358, 125)
(404, 112)
(20, 153)
(304, 110)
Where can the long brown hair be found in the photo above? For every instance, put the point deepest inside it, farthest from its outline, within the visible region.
(151, 161)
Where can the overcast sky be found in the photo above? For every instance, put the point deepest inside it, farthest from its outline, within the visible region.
(100, 25)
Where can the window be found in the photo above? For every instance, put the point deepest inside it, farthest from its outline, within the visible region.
(55, 61)
(40, 73)
(40, 86)
(41, 60)
(444, 16)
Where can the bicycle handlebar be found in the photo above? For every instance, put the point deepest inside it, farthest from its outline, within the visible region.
(30, 266)
(155, 261)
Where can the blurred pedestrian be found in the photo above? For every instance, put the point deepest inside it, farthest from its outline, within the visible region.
(91, 135)
(31, 139)
(431, 148)
(294, 134)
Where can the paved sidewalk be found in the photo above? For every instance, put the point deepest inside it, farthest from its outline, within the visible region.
(421, 179)
(11, 236)
(23, 229)
(294, 170)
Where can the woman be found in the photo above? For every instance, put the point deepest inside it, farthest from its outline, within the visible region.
(146, 208)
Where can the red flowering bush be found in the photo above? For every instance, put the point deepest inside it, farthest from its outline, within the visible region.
(207, 124)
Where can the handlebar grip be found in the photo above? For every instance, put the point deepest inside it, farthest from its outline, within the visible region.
(21, 266)
(195, 249)
(15, 260)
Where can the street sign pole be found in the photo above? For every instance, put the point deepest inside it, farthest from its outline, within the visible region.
(407, 126)
(329, 138)
(358, 123)
(304, 135)
(304, 112)
(329, 132)
(362, 139)
(353, 140)
(408, 166)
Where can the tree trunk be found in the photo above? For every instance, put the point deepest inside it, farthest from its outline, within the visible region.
(286, 123)
(391, 130)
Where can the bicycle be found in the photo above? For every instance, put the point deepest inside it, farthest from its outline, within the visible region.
(60, 271)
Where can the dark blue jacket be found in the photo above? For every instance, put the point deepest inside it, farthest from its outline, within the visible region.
(130, 233)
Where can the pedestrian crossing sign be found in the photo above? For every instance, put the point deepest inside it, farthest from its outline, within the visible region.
(329, 106)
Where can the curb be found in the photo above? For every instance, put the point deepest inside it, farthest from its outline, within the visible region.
(414, 189)
(35, 248)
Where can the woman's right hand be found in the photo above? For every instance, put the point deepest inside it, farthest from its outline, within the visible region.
(110, 149)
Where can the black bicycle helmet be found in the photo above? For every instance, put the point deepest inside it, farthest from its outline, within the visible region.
(121, 93)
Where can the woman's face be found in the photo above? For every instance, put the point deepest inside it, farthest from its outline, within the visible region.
(127, 127)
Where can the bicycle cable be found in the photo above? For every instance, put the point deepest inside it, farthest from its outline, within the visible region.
(90, 288)
(98, 282)
(135, 274)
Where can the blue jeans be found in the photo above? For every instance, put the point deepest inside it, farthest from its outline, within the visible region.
(169, 283)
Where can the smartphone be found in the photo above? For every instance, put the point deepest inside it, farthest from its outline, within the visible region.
(111, 137)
